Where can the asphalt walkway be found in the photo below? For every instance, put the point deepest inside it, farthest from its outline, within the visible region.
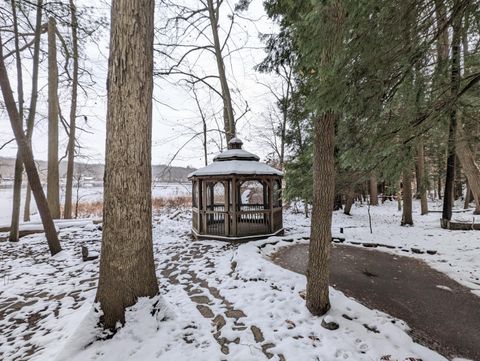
(443, 315)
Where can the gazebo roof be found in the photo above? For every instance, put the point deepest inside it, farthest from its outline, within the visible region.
(236, 161)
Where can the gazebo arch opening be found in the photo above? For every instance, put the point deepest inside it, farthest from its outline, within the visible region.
(236, 197)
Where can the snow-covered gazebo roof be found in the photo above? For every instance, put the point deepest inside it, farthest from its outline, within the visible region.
(236, 161)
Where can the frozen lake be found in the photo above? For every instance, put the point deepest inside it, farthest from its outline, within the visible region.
(85, 194)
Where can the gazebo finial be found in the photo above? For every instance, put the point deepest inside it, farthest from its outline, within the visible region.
(235, 143)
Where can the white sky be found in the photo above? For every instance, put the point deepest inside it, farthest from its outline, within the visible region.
(173, 125)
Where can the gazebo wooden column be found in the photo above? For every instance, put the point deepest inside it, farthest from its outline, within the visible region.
(270, 202)
(233, 211)
(204, 206)
(226, 186)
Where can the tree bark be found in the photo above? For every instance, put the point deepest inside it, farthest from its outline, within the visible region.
(458, 183)
(439, 187)
(17, 183)
(373, 191)
(468, 197)
(67, 211)
(323, 195)
(229, 119)
(27, 157)
(53, 189)
(407, 218)
(349, 202)
(127, 269)
(467, 158)
(34, 96)
(422, 186)
(317, 298)
(454, 88)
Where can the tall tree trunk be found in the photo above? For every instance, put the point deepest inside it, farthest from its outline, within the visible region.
(127, 269)
(407, 218)
(323, 194)
(373, 191)
(422, 187)
(350, 197)
(418, 180)
(458, 183)
(214, 12)
(34, 96)
(17, 183)
(27, 157)
(53, 189)
(454, 88)
(28, 201)
(67, 211)
(467, 158)
(468, 197)
(439, 187)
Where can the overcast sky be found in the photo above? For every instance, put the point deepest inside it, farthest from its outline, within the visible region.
(175, 115)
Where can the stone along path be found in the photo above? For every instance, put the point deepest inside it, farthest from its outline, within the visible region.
(227, 322)
(443, 314)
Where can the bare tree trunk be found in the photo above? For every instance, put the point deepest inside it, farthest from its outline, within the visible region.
(53, 189)
(230, 131)
(28, 200)
(468, 197)
(467, 158)
(418, 180)
(67, 211)
(34, 97)
(349, 202)
(27, 157)
(421, 187)
(407, 218)
(127, 269)
(373, 191)
(458, 183)
(439, 187)
(323, 194)
(454, 87)
(399, 198)
(17, 183)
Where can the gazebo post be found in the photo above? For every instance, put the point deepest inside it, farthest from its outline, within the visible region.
(226, 202)
(199, 205)
(204, 206)
(270, 201)
(234, 206)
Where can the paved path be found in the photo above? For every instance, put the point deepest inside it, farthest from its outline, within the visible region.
(444, 315)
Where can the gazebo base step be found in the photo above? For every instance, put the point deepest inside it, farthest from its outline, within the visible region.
(236, 238)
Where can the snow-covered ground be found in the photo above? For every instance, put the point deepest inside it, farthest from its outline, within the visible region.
(219, 301)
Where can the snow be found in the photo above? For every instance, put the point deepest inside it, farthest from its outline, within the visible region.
(50, 314)
(235, 153)
(240, 167)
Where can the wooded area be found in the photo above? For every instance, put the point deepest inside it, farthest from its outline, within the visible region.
(374, 101)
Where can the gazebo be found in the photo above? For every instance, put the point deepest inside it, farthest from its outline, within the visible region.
(236, 197)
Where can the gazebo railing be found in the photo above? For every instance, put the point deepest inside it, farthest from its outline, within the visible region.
(242, 223)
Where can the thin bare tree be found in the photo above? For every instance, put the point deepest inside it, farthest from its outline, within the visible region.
(53, 178)
(67, 212)
(27, 157)
(17, 185)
